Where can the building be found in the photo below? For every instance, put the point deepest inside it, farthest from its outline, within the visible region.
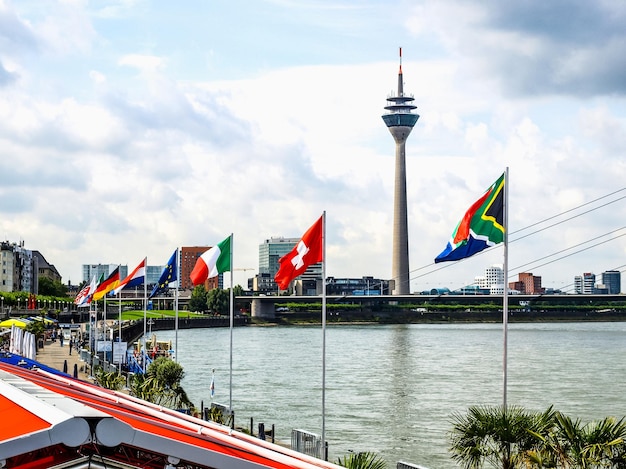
(153, 272)
(527, 284)
(270, 251)
(612, 279)
(584, 284)
(400, 120)
(45, 269)
(188, 258)
(493, 280)
(364, 286)
(102, 271)
(18, 268)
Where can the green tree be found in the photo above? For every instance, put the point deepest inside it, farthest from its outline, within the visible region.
(500, 436)
(48, 287)
(218, 301)
(237, 290)
(198, 300)
(161, 384)
(569, 443)
(37, 328)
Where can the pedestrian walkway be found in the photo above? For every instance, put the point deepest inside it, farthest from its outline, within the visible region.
(54, 355)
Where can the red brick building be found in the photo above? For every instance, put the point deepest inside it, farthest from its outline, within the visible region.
(188, 257)
(527, 284)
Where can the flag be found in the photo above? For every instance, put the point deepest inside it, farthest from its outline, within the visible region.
(308, 251)
(84, 296)
(168, 276)
(481, 227)
(136, 277)
(212, 262)
(112, 281)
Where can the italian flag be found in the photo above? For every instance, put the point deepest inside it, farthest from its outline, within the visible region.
(212, 262)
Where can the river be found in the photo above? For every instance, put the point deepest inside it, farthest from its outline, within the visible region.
(393, 389)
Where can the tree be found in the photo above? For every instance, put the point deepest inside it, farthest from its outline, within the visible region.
(515, 438)
(161, 384)
(500, 436)
(571, 444)
(218, 301)
(49, 287)
(198, 300)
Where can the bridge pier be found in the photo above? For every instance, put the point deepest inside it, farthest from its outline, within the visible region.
(262, 309)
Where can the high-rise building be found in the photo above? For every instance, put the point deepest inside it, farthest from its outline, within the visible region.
(612, 279)
(400, 120)
(270, 251)
(584, 284)
(102, 270)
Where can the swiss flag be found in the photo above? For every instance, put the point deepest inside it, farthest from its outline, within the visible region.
(309, 250)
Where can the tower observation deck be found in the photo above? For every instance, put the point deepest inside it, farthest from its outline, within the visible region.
(400, 120)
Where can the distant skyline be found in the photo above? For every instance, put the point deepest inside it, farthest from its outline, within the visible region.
(131, 127)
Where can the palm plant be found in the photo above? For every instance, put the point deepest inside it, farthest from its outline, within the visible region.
(503, 437)
(362, 460)
(596, 444)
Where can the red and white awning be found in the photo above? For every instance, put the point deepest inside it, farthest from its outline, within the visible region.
(83, 423)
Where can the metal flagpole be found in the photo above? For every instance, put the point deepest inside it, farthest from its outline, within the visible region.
(324, 334)
(505, 297)
(176, 306)
(119, 325)
(232, 319)
(145, 310)
(104, 327)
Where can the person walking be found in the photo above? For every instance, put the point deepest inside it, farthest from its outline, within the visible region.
(61, 338)
(71, 341)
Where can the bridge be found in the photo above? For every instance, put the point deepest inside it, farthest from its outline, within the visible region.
(266, 306)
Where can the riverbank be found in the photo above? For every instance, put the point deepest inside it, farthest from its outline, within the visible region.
(443, 317)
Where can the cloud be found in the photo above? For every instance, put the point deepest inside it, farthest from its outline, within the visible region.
(534, 48)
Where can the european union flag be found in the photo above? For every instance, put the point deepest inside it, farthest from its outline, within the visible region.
(169, 275)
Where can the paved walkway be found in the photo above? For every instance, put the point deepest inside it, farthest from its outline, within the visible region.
(55, 356)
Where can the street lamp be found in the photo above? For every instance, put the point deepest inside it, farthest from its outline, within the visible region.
(1, 304)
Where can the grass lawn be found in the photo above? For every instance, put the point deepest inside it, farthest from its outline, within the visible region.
(157, 314)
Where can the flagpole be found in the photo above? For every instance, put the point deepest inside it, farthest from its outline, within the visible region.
(324, 334)
(145, 310)
(104, 327)
(232, 317)
(505, 297)
(119, 325)
(176, 306)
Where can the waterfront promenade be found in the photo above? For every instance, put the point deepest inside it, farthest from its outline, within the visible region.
(54, 356)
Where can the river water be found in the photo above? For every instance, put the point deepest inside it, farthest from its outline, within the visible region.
(393, 389)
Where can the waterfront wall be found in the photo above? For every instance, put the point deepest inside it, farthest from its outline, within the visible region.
(134, 330)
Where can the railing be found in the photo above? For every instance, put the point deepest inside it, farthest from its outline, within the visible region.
(408, 465)
(307, 443)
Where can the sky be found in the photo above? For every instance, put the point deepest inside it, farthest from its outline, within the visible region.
(131, 127)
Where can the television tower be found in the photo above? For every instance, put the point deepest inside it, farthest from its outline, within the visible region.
(400, 120)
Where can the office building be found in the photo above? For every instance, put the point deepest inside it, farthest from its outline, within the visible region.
(612, 279)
